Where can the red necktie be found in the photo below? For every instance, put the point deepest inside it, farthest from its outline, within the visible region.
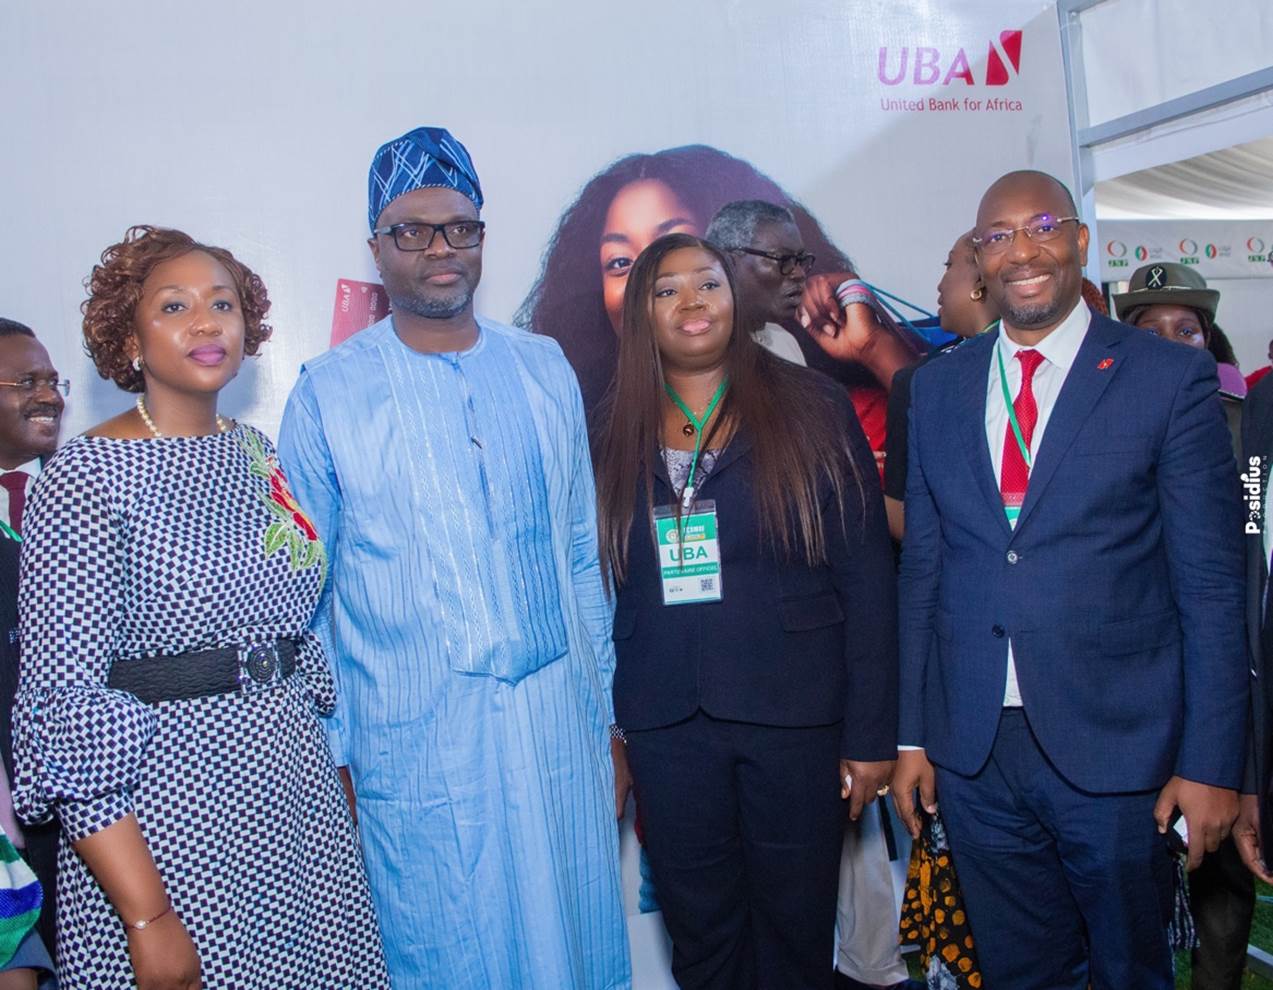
(1015, 473)
(15, 483)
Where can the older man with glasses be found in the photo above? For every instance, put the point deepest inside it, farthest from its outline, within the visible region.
(443, 458)
(770, 265)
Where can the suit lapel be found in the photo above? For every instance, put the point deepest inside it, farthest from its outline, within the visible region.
(972, 397)
(738, 445)
(1082, 389)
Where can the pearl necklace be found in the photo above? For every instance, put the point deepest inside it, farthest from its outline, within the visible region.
(222, 425)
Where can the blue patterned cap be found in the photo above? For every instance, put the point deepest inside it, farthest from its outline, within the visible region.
(420, 159)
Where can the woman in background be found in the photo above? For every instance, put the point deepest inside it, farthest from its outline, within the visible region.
(933, 915)
(167, 710)
(1174, 302)
(962, 309)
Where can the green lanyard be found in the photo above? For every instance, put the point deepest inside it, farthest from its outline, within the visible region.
(10, 532)
(687, 494)
(1012, 413)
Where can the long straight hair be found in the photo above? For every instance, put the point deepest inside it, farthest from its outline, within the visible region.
(797, 439)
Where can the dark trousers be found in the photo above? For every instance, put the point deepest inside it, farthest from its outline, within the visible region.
(1222, 897)
(1063, 887)
(743, 826)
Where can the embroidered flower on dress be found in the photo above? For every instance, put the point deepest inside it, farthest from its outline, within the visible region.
(291, 528)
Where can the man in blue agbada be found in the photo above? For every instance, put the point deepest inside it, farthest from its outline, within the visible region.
(443, 458)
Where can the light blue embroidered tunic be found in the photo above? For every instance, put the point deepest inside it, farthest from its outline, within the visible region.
(470, 636)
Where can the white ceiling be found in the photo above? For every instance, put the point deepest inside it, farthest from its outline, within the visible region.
(1233, 184)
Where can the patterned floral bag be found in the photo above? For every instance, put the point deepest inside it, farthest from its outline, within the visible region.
(933, 914)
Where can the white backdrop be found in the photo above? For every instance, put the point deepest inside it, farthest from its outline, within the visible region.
(251, 125)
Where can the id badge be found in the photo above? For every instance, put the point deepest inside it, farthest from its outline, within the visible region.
(689, 557)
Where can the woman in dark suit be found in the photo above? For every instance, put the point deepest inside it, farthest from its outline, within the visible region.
(755, 624)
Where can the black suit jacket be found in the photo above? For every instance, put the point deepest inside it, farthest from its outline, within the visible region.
(1257, 460)
(789, 644)
(9, 554)
(41, 840)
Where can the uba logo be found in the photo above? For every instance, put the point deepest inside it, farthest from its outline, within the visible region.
(927, 67)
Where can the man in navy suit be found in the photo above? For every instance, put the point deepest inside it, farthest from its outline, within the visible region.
(1072, 647)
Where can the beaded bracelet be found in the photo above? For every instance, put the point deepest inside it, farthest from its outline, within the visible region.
(141, 926)
(853, 290)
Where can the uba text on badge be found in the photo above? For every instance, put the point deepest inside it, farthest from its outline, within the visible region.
(689, 554)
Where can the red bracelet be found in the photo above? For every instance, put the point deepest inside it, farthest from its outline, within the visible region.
(141, 926)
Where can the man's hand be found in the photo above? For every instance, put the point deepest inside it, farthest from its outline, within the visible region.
(164, 956)
(913, 773)
(622, 776)
(1208, 811)
(865, 781)
(1246, 836)
(347, 782)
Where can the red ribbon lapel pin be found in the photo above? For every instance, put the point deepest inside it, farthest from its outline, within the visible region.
(1105, 364)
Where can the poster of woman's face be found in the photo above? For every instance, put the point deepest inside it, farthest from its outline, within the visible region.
(578, 298)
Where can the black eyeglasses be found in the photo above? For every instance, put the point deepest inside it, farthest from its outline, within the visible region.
(30, 385)
(787, 263)
(418, 236)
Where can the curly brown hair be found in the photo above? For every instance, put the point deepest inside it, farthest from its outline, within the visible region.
(114, 289)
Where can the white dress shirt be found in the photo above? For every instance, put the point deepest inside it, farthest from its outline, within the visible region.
(1059, 349)
(780, 341)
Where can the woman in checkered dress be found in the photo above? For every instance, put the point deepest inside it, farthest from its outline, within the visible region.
(207, 841)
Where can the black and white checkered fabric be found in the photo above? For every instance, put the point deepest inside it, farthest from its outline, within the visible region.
(141, 548)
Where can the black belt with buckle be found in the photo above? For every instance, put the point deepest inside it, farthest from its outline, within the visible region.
(209, 672)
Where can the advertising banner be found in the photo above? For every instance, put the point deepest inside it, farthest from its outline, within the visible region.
(883, 121)
(1217, 248)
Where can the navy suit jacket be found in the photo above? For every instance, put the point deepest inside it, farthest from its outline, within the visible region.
(1257, 460)
(1121, 587)
(789, 644)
